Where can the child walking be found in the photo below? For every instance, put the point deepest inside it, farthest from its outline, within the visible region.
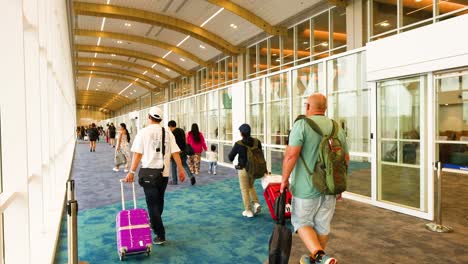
(212, 157)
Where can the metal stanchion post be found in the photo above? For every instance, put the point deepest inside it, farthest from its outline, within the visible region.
(70, 190)
(437, 225)
(72, 210)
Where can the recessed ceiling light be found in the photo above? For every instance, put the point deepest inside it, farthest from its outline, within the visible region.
(134, 91)
(97, 89)
(324, 44)
(128, 24)
(278, 60)
(147, 82)
(417, 1)
(305, 42)
(384, 24)
(109, 63)
(234, 26)
(167, 69)
(157, 76)
(113, 55)
(202, 47)
(182, 59)
(119, 41)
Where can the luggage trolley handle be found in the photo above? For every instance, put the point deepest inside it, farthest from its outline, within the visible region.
(122, 181)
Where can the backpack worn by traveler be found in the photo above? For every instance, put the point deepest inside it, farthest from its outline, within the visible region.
(330, 172)
(256, 164)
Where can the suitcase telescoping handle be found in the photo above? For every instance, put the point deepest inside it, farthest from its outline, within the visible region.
(122, 181)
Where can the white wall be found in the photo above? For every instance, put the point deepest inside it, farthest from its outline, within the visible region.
(37, 105)
(438, 46)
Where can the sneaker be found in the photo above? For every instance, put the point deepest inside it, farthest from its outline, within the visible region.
(114, 169)
(159, 241)
(193, 181)
(125, 170)
(247, 213)
(324, 259)
(214, 173)
(306, 260)
(257, 208)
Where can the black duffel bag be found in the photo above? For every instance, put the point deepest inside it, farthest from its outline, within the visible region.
(148, 177)
(281, 238)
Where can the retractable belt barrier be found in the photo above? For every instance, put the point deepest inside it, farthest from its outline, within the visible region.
(437, 225)
(72, 223)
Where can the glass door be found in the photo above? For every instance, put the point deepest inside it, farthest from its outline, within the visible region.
(401, 176)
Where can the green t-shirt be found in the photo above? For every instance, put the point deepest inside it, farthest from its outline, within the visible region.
(303, 135)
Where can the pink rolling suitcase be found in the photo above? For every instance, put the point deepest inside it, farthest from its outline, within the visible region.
(133, 229)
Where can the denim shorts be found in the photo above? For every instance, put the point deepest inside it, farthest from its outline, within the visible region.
(317, 213)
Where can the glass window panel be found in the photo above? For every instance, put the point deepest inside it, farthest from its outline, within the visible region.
(277, 109)
(254, 113)
(233, 68)
(252, 60)
(303, 41)
(222, 72)
(339, 27)
(359, 176)
(288, 46)
(384, 16)
(263, 57)
(275, 53)
(275, 158)
(307, 80)
(226, 114)
(202, 117)
(452, 119)
(226, 150)
(452, 6)
(348, 100)
(416, 11)
(399, 164)
(213, 115)
(321, 35)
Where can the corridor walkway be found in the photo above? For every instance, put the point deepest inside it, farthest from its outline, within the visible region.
(204, 223)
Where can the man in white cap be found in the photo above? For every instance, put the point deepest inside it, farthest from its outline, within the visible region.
(154, 146)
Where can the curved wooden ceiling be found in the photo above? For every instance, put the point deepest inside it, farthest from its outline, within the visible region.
(155, 59)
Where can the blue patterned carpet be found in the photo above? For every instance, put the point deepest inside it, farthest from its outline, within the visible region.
(203, 222)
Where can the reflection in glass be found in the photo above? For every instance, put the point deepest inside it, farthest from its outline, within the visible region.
(416, 11)
(275, 53)
(213, 129)
(288, 46)
(277, 109)
(399, 163)
(275, 158)
(263, 57)
(384, 16)
(202, 124)
(452, 6)
(359, 176)
(321, 36)
(452, 118)
(307, 80)
(339, 27)
(254, 113)
(303, 42)
(252, 60)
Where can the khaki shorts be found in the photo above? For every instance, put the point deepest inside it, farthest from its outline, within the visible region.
(317, 213)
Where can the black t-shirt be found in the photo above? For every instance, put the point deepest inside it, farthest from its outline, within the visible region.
(179, 135)
(242, 151)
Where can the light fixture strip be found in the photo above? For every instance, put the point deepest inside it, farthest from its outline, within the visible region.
(167, 54)
(180, 43)
(154, 65)
(211, 17)
(89, 81)
(103, 22)
(99, 41)
(145, 72)
(125, 88)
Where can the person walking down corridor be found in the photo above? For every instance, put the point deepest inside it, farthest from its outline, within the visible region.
(212, 157)
(93, 135)
(153, 146)
(197, 142)
(312, 210)
(123, 146)
(179, 135)
(112, 132)
(247, 187)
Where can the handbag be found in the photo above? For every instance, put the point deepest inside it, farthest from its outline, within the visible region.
(119, 158)
(148, 177)
(281, 238)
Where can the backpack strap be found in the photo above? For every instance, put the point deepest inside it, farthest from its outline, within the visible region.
(163, 142)
(311, 123)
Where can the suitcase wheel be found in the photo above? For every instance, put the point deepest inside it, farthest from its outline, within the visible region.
(122, 254)
(148, 251)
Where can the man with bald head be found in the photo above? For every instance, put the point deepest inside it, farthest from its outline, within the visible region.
(311, 210)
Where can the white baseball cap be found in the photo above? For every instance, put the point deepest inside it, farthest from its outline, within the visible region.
(156, 113)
